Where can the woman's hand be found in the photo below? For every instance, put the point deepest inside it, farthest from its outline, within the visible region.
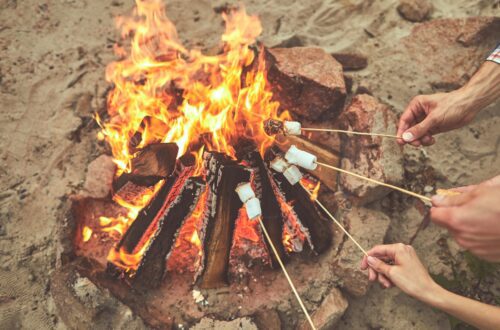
(399, 265)
(427, 115)
(472, 217)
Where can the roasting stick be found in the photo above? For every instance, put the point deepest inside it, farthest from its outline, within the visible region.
(336, 221)
(348, 132)
(254, 212)
(286, 275)
(408, 192)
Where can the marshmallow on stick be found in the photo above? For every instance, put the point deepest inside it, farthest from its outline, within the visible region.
(301, 158)
(292, 174)
(274, 126)
(247, 197)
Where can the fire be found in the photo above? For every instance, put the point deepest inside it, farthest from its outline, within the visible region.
(312, 186)
(216, 110)
(86, 233)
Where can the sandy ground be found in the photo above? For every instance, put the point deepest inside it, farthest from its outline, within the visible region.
(52, 59)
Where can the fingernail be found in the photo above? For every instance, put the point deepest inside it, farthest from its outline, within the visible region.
(437, 198)
(371, 260)
(407, 136)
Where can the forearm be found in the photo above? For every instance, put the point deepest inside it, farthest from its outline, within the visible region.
(473, 312)
(482, 89)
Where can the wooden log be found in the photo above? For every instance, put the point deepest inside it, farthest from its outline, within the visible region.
(149, 165)
(326, 176)
(223, 175)
(178, 205)
(310, 216)
(272, 216)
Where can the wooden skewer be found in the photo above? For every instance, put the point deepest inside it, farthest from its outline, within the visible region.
(408, 192)
(286, 274)
(349, 132)
(336, 221)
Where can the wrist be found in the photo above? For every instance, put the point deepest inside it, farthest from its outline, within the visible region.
(435, 295)
(464, 102)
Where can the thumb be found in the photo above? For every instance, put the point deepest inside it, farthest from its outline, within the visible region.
(418, 131)
(448, 201)
(379, 265)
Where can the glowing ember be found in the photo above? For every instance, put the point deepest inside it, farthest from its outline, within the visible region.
(86, 233)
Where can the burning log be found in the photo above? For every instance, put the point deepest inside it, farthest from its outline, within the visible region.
(177, 207)
(271, 212)
(223, 175)
(307, 212)
(154, 162)
(133, 235)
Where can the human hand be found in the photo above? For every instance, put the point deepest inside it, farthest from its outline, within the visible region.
(404, 271)
(473, 218)
(495, 181)
(427, 115)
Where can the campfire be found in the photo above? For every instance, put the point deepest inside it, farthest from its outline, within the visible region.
(186, 130)
(214, 187)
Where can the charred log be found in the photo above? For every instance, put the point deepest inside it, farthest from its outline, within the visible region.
(223, 175)
(149, 165)
(178, 205)
(271, 211)
(307, 212)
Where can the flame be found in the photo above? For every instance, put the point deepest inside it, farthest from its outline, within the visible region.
(86, 233)
(217, 108)
(312, 186)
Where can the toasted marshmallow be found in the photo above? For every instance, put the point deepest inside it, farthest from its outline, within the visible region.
(279, 164)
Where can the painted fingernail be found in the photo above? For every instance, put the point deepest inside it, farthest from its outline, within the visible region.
(371, 260)
(407, 136)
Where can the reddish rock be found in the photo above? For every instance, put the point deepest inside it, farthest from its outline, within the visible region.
(449, 51)
(100, 173)
(351, 61)
(378, 158)
(329, 312)
(369, 228)
(267, 319)
(415, 10)
(307, 81)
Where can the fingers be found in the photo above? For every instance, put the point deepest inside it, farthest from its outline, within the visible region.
(386, 251)
(419, 131)
(379, 266)
(456, 200)
(442, 216)
(384, 281)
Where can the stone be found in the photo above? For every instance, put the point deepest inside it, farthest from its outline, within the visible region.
(100, 173)
(206, 323)
(449, 51)
(369, 228)
(329, 312)
(267, 319)
(415, 10)
(379, 158)
(351, 61)
(306, 81)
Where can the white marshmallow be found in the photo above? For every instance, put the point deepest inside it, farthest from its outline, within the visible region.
(253, 208)
(292, 127)
(292, 174)
(279, 164)
(245, 191)
(301, 158)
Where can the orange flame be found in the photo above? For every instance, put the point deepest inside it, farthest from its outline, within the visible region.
(216, 109)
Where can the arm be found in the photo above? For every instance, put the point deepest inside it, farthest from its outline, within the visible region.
(408, 274)
(427, 115)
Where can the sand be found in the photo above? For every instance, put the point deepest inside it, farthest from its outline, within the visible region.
(53, 56)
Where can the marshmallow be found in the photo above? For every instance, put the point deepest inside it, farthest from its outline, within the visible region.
(292, 174)
(245, 191)
(292, 128)
(253, 208)
(301, 158)
(279, 164)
